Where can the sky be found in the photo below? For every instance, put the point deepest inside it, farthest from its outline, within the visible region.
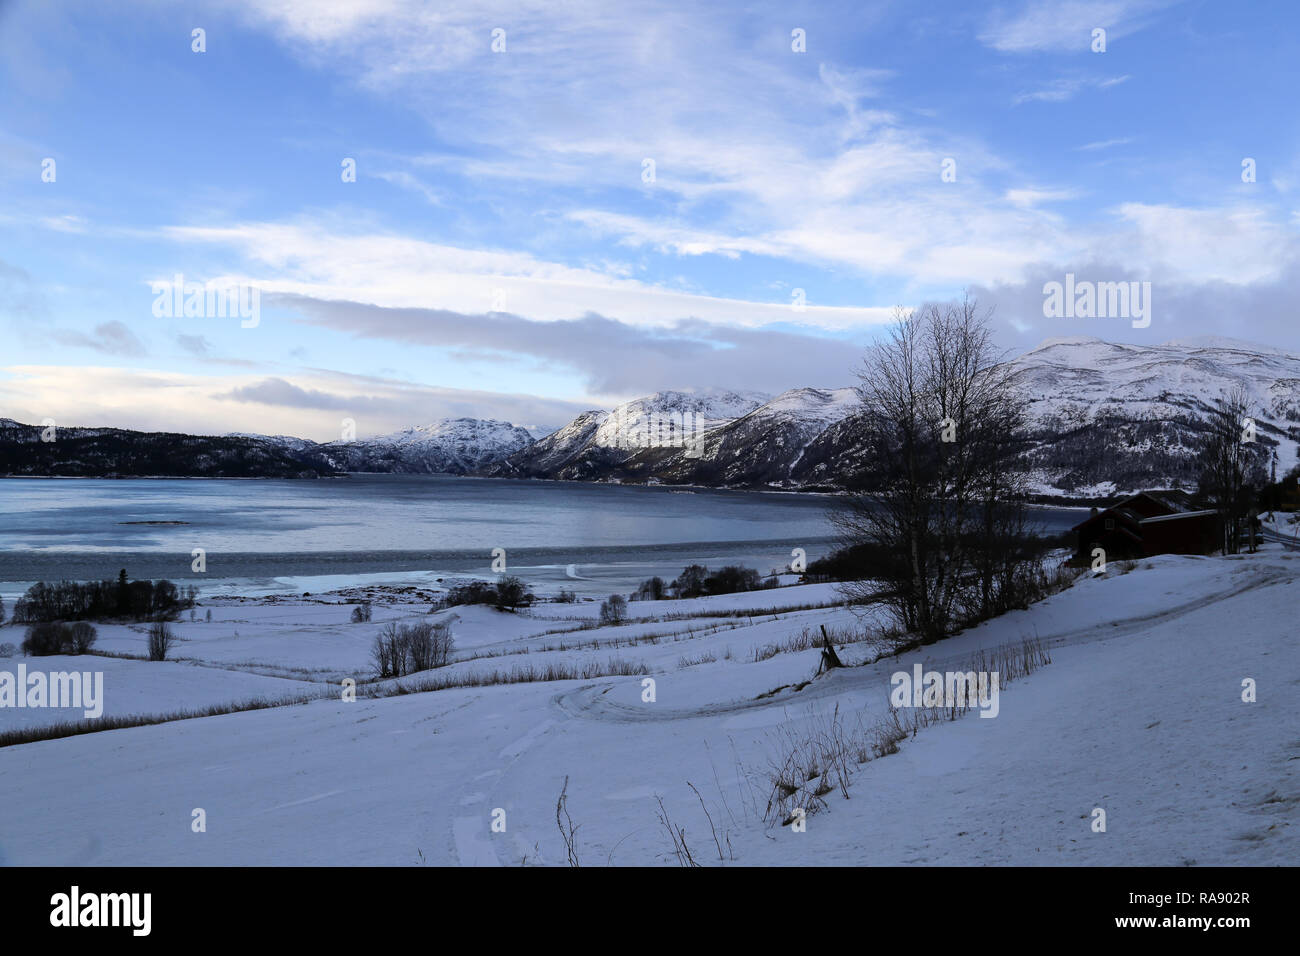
(524, 210)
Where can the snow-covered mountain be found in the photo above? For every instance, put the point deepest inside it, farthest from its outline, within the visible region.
(734, 438)
(1106, 419)
(453, 446)
(1112, 418)
(611, 444)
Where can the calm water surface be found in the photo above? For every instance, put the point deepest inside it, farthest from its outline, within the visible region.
(265, 536)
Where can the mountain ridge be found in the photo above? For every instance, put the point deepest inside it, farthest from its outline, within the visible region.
(1105, 419)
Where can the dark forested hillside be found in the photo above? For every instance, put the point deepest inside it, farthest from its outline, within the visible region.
(118, 453)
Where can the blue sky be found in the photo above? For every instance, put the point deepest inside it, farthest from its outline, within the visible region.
(501, 253)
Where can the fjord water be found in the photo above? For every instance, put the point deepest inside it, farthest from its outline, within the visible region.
(268, 536)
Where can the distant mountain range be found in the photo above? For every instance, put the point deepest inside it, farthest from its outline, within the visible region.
(453, 446)
(1106, 419)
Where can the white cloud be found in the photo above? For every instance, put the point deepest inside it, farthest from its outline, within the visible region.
(1103, 144)
(1067, 25)
(400, 272)
(1235, 244)
(305, 404)
(1064, 89)
(1032, 197)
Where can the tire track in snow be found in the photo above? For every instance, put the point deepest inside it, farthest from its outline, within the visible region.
(590, 702)
(472, 836)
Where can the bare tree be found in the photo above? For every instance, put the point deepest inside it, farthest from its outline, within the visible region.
(161, 640)
(388, 652)
(613, 610)
(1233, 463)
(940, 510)
(428, 644)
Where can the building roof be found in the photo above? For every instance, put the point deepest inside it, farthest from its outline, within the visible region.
(1125, 507)
(1181, 514)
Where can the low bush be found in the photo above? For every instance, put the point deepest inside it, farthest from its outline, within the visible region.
(508, 593)
(614, 610)
(696, 580)
(57, 637)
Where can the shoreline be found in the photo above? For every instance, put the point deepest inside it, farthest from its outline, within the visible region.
(1034, 500)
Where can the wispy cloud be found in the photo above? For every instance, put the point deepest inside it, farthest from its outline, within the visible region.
(396, 271)
(1066, 25)
(194, 344)
(111, 338)
(1058, 91)
(1104, 144)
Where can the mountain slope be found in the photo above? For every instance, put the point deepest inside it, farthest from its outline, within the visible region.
(120, 453)
(452, 446)
(1111, 418)
(614, 445)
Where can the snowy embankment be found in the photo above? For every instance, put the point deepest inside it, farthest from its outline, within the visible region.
(1140, 714)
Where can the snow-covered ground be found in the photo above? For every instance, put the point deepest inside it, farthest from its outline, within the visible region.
(1140, 713)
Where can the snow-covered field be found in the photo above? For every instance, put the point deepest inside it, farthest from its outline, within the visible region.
(1140, 713)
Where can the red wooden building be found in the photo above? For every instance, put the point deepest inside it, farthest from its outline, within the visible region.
(1145, 524)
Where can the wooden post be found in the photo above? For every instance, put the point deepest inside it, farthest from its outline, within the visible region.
(829, 657)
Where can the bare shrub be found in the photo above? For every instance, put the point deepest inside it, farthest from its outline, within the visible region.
(614, 610)
(520, 674)
(882, 642)
(677, 835)
(400, 649)
(428, 645)
(388, 652)
(360, 613)
(7, 650)
(708, 657)
(418, 639)
(81, 636)
(161, 640)
(568, 832)
(443, 644)
(809, 761)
